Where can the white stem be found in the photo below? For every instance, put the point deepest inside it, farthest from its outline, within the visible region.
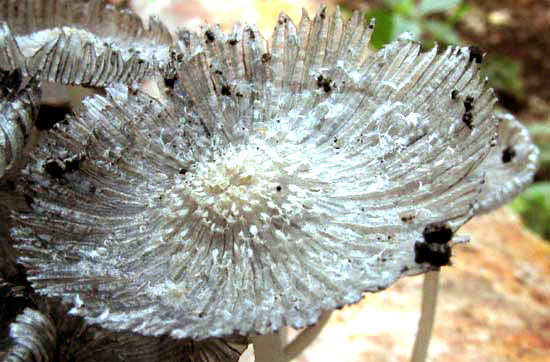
(304, 339)
(430, 288)
(268, 348)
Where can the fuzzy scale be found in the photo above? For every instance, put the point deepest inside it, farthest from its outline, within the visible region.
(279, 179)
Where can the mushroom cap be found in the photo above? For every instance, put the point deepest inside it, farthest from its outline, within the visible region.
(509, 167)
(277, 180)
(10, 55)
(51, 335)
(19, 105)
(82, 42)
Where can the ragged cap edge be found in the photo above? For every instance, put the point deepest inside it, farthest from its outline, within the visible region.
(34, 337)
(41, 334)
(510, 166)
(28, 16)
(11, 57)
(83, 43)
(467, 137)
(18, 111)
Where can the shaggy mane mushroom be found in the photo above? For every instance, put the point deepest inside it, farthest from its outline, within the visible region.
(275, 181)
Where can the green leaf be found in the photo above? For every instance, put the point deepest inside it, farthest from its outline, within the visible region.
(384, 30)
(406, 25)
(540, 130)
(346, 11)
(459, 14)
(393, 3)
(442, 32)
(533, 205)
(406, 8)
(540, 133)
(504, 74)
(437, 6)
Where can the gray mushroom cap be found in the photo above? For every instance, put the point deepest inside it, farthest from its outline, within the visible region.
(19, 105)
(279, 179)
(81, 42)
(510, 166)
(53, 336)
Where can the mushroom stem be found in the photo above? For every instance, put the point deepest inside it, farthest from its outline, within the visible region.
(268, 348)
(430, 288)
(304, 339)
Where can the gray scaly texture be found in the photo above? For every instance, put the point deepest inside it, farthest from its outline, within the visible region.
(278, 179)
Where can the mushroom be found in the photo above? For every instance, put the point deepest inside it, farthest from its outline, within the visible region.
(511, 165)
(51, 335)
(507, 170)
(18, 109)
(276, 181)
(82, 42)
(72, 43)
